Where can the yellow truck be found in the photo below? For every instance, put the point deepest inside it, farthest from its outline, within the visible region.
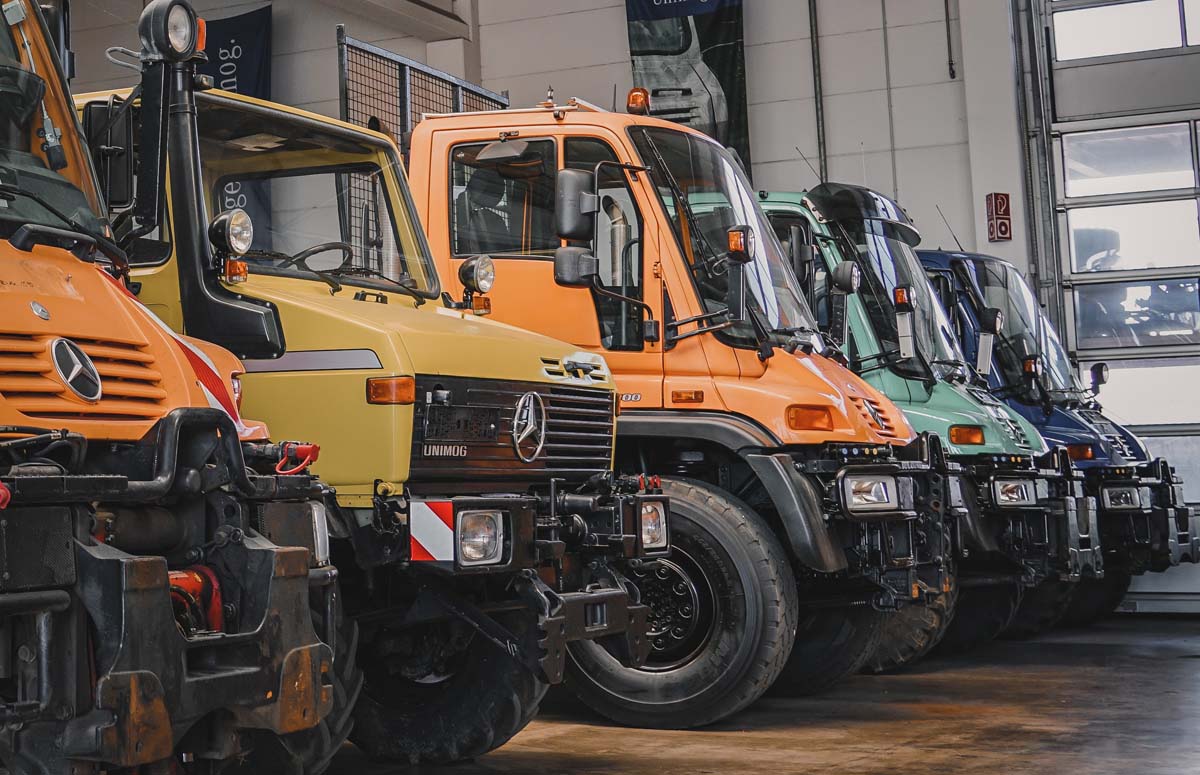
(477, 525)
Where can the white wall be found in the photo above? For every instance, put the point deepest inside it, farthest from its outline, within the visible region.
(940, 142)
(946, 132)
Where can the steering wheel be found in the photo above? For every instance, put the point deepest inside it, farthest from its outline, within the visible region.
(301, 258)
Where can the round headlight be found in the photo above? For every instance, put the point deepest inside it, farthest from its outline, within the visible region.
(169, 29)
(232, 232)
(477, 274)
(181, 29)
(479, 537)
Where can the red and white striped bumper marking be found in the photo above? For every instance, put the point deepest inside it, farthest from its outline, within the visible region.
(431, 531)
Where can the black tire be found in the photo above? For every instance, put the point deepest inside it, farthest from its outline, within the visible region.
(310, 752)
(980, 615)
(475, 709)
(1041, 608)
(912, 632)
(1096, 599)
(831, 644)
(724, 616)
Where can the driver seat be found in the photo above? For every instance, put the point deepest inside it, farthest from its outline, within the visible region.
(480, 227)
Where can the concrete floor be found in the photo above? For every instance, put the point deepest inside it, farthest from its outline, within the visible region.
(1122, 697)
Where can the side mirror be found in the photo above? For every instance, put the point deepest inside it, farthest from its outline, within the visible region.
(575, 205)
(1099, 375)
(801, 253)
(575, 267)
(902, 300)
(991, 320)
(741, 244)
(109, 132)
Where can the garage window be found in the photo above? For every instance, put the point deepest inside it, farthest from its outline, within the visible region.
(1124, 28)
(1140, 235)
(1170, 381)
(1145, 313)
(1122, 161)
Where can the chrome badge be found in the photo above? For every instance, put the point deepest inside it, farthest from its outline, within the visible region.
(529, 427)
(39, 310)
(76, 369)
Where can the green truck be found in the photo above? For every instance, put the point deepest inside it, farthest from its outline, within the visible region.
(1023, 520)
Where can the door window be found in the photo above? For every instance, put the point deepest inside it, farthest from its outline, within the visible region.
(503, 202)
(618, 246)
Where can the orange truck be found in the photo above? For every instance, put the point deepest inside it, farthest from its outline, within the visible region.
(148, 621)
(802, 502)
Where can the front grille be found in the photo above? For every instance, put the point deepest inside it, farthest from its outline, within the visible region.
(131, 386)
(888, 428)
(477, 442)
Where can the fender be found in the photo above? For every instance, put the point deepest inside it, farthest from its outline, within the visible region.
(794, 496)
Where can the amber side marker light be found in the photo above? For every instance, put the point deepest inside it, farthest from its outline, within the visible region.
(1081, 452)
(687, 396)
(809, 418)
(900, 296)
(966, 434)
(638, 101)
(391, 390)
(201, 34)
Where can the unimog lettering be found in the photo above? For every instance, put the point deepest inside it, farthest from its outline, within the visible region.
(444, 450)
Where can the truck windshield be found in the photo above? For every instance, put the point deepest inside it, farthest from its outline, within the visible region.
(325, 202)
(874, 232)
(1026, 331)
(30, 192)
(704, 193)
(659, 37)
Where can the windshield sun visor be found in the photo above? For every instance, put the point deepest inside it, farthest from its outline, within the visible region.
(20, 93)
(842, 202)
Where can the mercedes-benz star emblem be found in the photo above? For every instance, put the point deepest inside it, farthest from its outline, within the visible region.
(76, 369)
(871, 410)
(39, 310)
(529, 427)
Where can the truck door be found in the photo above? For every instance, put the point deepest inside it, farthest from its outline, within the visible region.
(628, 254)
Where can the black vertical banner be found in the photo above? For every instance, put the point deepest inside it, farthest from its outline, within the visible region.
(239, 60)
(690, 54)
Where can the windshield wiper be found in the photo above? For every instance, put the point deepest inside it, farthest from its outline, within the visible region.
(9, 192)
(960, 369)
(685, 207)
(404, 284)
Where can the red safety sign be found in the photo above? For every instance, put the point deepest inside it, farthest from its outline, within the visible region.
(999, 217)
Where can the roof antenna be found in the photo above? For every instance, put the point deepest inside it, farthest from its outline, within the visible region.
(816, 174)
(951, 228)
(549, 101)
(862, 155)
(614, 107)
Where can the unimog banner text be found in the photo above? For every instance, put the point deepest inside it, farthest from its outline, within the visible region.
(690, 54)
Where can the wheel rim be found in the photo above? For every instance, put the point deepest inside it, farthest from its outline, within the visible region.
(683, 613)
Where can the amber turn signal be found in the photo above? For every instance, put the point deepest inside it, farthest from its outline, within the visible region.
(687, 396)
(638, 101)
(900, 295)
(1081, 452)
(966, 434)
(391, 390)
(737, 241)
(236, 271)
(201, 34)
(809, 418)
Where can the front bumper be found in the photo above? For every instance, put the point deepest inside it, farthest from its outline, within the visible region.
(900, 548)
(558, 557)
(1144, 522)
(1051, 531)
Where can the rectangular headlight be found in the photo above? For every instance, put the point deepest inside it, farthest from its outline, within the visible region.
(1014, 492)
(870, 492)
(654, 525)
(480, 537)
(1121, 499)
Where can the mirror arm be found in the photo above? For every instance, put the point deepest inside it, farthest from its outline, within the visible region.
(673, 338)
(601, 290)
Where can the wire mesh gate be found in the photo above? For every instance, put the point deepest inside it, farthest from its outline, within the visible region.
(395, 90)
